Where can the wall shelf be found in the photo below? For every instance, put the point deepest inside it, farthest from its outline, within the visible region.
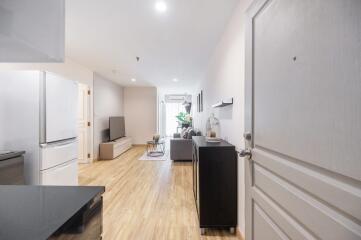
(223, 103)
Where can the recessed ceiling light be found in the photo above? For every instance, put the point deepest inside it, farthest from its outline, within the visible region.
(133, 80)
(175, 80)
(161, 6)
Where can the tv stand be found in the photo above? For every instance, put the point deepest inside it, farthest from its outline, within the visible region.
(113, 149)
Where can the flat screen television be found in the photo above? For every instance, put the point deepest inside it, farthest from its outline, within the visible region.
(116, 128)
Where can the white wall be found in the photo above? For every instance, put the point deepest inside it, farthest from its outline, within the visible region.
(108, 101)
(140, 111)
(68, 69)
(225, 79)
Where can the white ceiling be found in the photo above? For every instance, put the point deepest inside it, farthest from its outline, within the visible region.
(107, 35)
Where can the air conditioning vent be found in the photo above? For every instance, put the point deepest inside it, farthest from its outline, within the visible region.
(175, 98)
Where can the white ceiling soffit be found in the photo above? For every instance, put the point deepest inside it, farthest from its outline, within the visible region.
(174, 46)
(32, 31)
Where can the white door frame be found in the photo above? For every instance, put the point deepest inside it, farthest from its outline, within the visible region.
(88, 125)
(248, 115)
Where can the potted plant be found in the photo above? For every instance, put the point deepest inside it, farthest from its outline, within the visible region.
(184, 119)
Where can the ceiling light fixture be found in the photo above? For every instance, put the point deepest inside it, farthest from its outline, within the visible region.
(161, 6)
(133, 80)
(175, 80)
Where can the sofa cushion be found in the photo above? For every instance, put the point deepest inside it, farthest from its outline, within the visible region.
(185, 135)
(176, 135)
(191, 133)
(181, 149)
(184, 130)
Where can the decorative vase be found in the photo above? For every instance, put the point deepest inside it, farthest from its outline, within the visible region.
(185, 125)
(156, 138)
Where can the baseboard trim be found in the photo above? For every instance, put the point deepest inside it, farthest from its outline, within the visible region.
(239, 234)
(139, 145)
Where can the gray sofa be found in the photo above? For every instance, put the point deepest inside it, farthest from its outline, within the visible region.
(181, 148)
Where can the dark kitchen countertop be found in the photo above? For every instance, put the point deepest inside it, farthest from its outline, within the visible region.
(8, 154)
(36, 212)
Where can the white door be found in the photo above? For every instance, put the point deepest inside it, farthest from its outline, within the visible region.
(303, 109)
(61, 108)
(83, 119)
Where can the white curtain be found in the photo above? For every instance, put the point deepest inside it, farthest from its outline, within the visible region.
(172, 110)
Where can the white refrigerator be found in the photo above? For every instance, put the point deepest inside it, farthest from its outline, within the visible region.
(38, 114)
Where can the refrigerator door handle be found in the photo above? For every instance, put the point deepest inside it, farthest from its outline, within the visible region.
(59, 143)
(55, 154)
(42, 107)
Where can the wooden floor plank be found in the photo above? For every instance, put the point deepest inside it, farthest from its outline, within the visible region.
(147, 199)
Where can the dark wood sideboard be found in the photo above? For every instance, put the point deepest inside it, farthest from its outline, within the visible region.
(215, 183)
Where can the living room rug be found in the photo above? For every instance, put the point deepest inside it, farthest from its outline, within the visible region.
(165, 157)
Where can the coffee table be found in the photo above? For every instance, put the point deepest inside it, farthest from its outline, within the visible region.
(155, 149)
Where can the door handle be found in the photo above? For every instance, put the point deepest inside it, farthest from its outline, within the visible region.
(245, 153)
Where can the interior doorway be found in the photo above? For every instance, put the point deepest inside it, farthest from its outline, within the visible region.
(84, 148)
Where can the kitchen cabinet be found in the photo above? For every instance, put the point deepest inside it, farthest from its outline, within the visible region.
(51, 212)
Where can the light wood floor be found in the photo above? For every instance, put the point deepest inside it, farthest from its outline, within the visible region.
(147, 199)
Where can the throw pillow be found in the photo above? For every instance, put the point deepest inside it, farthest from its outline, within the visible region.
(191, 133)
(186, 134)
(183, 132)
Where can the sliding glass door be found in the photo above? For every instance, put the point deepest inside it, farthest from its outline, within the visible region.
(171, 111)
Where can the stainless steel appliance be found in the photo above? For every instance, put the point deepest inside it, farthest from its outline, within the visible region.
(11, 168)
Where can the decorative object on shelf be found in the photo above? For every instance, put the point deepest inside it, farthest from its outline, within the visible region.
(184, 119)
(213, 139)
(223, 103)
(212, 127)
(156, 138)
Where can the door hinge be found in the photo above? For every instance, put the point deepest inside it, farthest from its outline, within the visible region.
(88, 155)
(88, 92)
(89, 124)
